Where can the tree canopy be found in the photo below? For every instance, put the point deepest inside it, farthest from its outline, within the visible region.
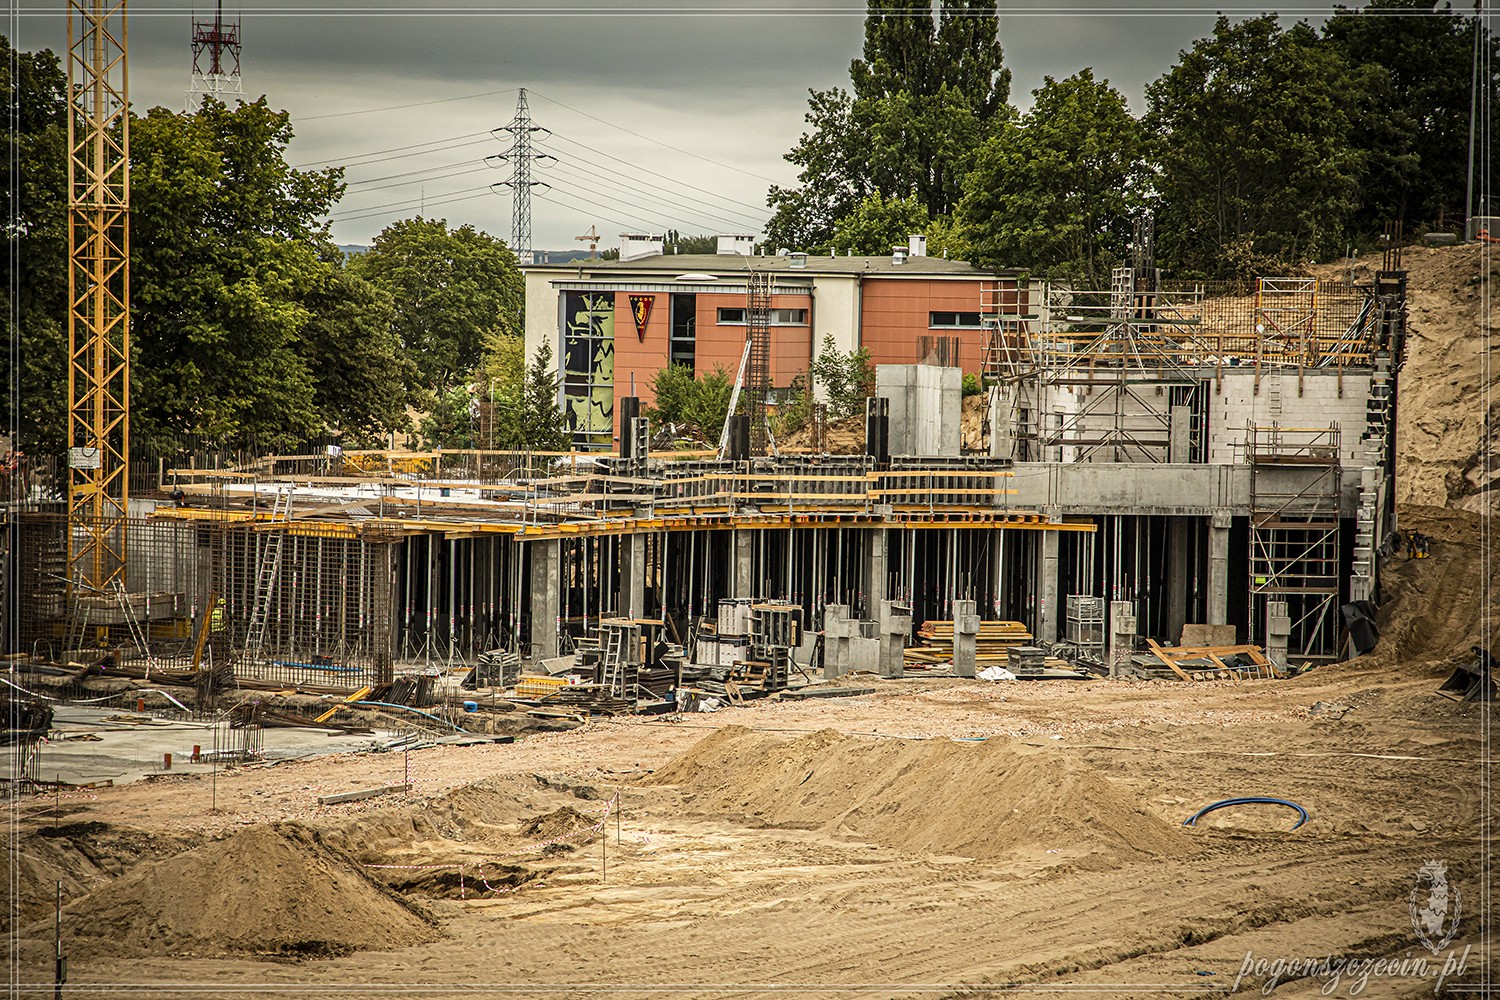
(1252, 136)
(451, 288)
(1057, 190)
(245, 327)
(35, 200)
(926, 92)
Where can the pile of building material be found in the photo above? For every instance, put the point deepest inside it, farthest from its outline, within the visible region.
(992, 647)
(1204, 663)
(747, 649)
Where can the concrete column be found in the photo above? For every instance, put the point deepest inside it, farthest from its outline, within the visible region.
(1180, 435)
(875, 549)
(1278, 632)
(1218, 567)
(382, 589)
(1122, 632)
(838, 629)
(546, 596)
(632, 576)
(742, 572)
(1177, 577)
(965, 637)
(1045, 590)
(895, 629)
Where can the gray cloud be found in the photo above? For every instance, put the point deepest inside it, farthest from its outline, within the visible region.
(729, 88)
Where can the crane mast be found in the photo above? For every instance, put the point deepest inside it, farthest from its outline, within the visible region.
(98, 295)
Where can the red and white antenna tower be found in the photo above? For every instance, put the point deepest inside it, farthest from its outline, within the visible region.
(216, 60)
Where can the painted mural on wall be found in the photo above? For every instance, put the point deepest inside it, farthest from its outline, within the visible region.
(588, 355)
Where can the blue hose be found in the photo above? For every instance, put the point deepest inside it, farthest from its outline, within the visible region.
(1248, 801)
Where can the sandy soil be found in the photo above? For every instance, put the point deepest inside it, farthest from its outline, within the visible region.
(875, 841)
(940, 837)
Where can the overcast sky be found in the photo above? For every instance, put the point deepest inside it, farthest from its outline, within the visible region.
(619, 86)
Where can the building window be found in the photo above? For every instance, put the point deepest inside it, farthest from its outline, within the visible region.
(779, 317)
(953, 321)
(588, 368)
(684, 330)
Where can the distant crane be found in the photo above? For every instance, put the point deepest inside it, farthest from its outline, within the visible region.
(592, 239)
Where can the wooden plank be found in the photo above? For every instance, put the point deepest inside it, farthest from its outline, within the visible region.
(363, 793)
(1167, 658)
(356, 696)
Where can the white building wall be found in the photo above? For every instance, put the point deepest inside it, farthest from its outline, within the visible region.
(1319, 403)
(541, 313)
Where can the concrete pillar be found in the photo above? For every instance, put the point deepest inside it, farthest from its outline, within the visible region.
(1177, 577)
(895, 629)
(1046, 588)
(838, 629)
(965, 637)
(1002, 425)
(1218, 567)
(383, 586)
(742, 571)
(632, 576)
(1180, 435)
(874, 582)
(545, 596)
(1278, 632)
(1122, 632)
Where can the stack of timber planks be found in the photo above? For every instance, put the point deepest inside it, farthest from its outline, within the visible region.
(992, 646)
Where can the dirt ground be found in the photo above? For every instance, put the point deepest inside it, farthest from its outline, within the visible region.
(938, 838)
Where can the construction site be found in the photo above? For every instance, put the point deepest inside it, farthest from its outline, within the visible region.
(1164, 657)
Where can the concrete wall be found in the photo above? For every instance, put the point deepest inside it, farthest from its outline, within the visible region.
(1316, 404)
(836, 311)
(541, 313)
(926, 408)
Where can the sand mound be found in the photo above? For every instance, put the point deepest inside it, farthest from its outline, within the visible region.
(981, 800)
(557, 823)
(271, 890)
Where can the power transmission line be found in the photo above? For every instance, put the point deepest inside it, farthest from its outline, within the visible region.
(653, 173)
(402, 107)
(418, 146)
(723, 205)
(521, 155)
(664, 145)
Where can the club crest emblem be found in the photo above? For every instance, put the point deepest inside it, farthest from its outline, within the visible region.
(1435, 906)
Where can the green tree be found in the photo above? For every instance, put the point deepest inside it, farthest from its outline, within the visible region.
(35, 201)
(1252, 135)
(926, 92)
(682, 243)
(360, 371)
(878, 223)
(846, 379)
(227, 257)
(451, 287)
(449, 421)
(542, 426)
(1415, 65)
(523, 397)
(700, 403)
(1055, 192)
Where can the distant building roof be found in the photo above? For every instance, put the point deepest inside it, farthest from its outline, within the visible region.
(711, 263)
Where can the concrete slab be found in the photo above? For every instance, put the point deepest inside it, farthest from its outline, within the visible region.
(87, 749)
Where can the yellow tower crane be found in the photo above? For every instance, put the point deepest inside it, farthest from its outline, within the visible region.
(98, 295)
